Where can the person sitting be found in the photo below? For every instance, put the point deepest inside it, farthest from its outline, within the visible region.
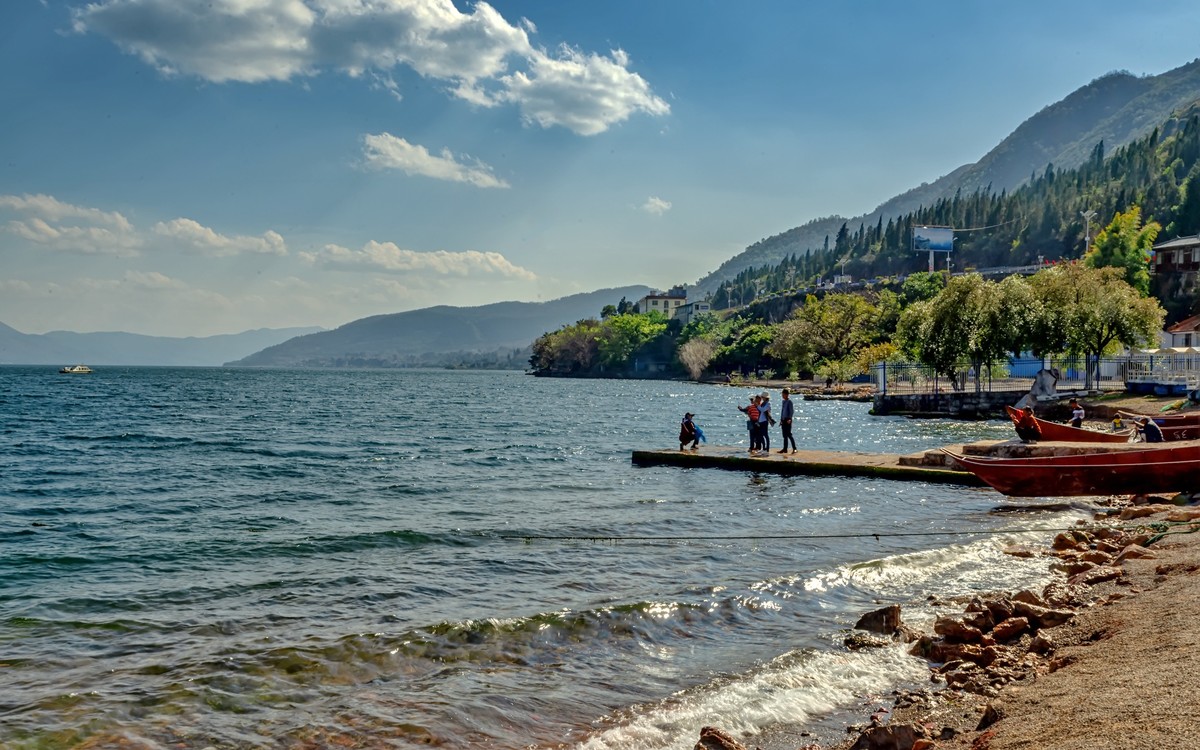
(1150, 430)
(688, 432)
(1027, 426)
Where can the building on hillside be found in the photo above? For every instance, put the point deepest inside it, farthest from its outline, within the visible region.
(1176, 263)
(664, 302)
(688, 312)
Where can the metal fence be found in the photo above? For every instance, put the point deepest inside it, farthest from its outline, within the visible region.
(1068, 374)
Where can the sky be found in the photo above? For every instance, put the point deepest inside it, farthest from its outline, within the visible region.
(200, 167)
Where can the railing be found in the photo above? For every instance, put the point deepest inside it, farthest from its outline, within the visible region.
(1067, 374)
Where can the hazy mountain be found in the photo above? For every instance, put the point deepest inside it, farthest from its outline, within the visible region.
(1117, 109)
(413, 337)
(64, 347)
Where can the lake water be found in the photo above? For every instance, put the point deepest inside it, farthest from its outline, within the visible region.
(195, 558)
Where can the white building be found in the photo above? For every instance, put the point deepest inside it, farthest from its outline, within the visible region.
(686, 313)
(664, 302)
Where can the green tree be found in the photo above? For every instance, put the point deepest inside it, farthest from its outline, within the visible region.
(622, 335)
(1125, 243)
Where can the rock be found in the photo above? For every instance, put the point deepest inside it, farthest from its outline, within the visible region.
(1028, 597)
(1184, 514)
(1041, 645)
(884, 621)
(858, 640)
(1095, 576)
(1042, 617)
(991, 714)
(1096, 556)
(1020, 550)
(1065, 541)
(1141, 511)
(954, 629)
(891, 737)
(1001, 609)
(1134, 552)
(1008, 629)
(712, 738)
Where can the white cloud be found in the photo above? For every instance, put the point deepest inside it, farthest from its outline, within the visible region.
(655, 205)
(584, 93)
(387, 256)
(46, 221)
(252, 41)
(198, 237)
(386, 151)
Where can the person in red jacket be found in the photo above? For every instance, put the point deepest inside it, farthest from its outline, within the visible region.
(752, 413)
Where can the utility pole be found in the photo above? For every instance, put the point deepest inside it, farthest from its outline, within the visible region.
(1087, 229)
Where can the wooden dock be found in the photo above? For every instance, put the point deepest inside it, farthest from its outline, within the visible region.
(921, 467)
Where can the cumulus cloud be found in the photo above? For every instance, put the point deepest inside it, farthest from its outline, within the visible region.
(655, 205)
(198, 237)
(389, 257)
(386, 151)
(47, 221)
(471, 53)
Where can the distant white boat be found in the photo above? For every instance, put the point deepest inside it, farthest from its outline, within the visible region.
(76, 369)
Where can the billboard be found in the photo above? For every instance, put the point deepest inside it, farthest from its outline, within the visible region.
(933, 239)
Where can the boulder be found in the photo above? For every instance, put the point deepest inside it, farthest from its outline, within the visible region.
(891, 737)
(1095, 576)
(955, 630)
(1135, 552)
(1042, 617)
(1010, 628)
(712, 738)
(885, 621)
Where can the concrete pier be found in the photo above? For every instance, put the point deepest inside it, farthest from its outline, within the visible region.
(921, 467)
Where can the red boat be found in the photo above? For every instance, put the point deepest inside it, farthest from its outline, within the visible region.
(1136, 471)
(1173, 426)
(1055, 432)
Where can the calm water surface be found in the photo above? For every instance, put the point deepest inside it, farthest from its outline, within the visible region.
(195, 558)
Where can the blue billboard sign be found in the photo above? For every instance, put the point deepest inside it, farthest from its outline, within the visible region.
(933, 239)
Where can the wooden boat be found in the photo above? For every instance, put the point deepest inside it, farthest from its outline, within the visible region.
(1120, 472)
(1055, 432)
(1174, 426)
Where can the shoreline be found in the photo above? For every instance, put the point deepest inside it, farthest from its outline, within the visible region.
(1103, 656)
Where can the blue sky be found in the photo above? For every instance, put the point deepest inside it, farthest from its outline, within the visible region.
(194, 167)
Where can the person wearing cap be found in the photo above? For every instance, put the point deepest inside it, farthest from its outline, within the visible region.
(1150, 430)
(688, 433)
(787, 410)
(765, 421)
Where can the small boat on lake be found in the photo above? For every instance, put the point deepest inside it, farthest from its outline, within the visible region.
(1173, 426)
(76, 370)
(1135, 471)
(1053, 431)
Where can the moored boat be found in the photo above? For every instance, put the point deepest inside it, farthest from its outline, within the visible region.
(1119, 472)
(76, 370)
(1053, 431)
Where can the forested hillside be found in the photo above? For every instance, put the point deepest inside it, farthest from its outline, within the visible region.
(1042, 220)
(1115, 109)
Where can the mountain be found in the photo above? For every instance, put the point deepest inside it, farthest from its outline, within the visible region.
(1115, 109)
(419, 336)
(65, 347)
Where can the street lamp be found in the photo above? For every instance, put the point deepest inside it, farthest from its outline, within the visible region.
(1087, 228)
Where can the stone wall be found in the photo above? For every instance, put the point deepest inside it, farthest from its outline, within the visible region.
(958, 404)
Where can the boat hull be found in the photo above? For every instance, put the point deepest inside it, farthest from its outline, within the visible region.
(1055, 432)
(1125, 472)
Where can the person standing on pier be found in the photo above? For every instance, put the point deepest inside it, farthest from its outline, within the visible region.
(1076, 414)
(765, 422)
(787, 411)
(751, 411)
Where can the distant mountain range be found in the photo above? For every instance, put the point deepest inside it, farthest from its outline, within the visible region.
(64, 348)
(1117, 109)
(438, 335)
